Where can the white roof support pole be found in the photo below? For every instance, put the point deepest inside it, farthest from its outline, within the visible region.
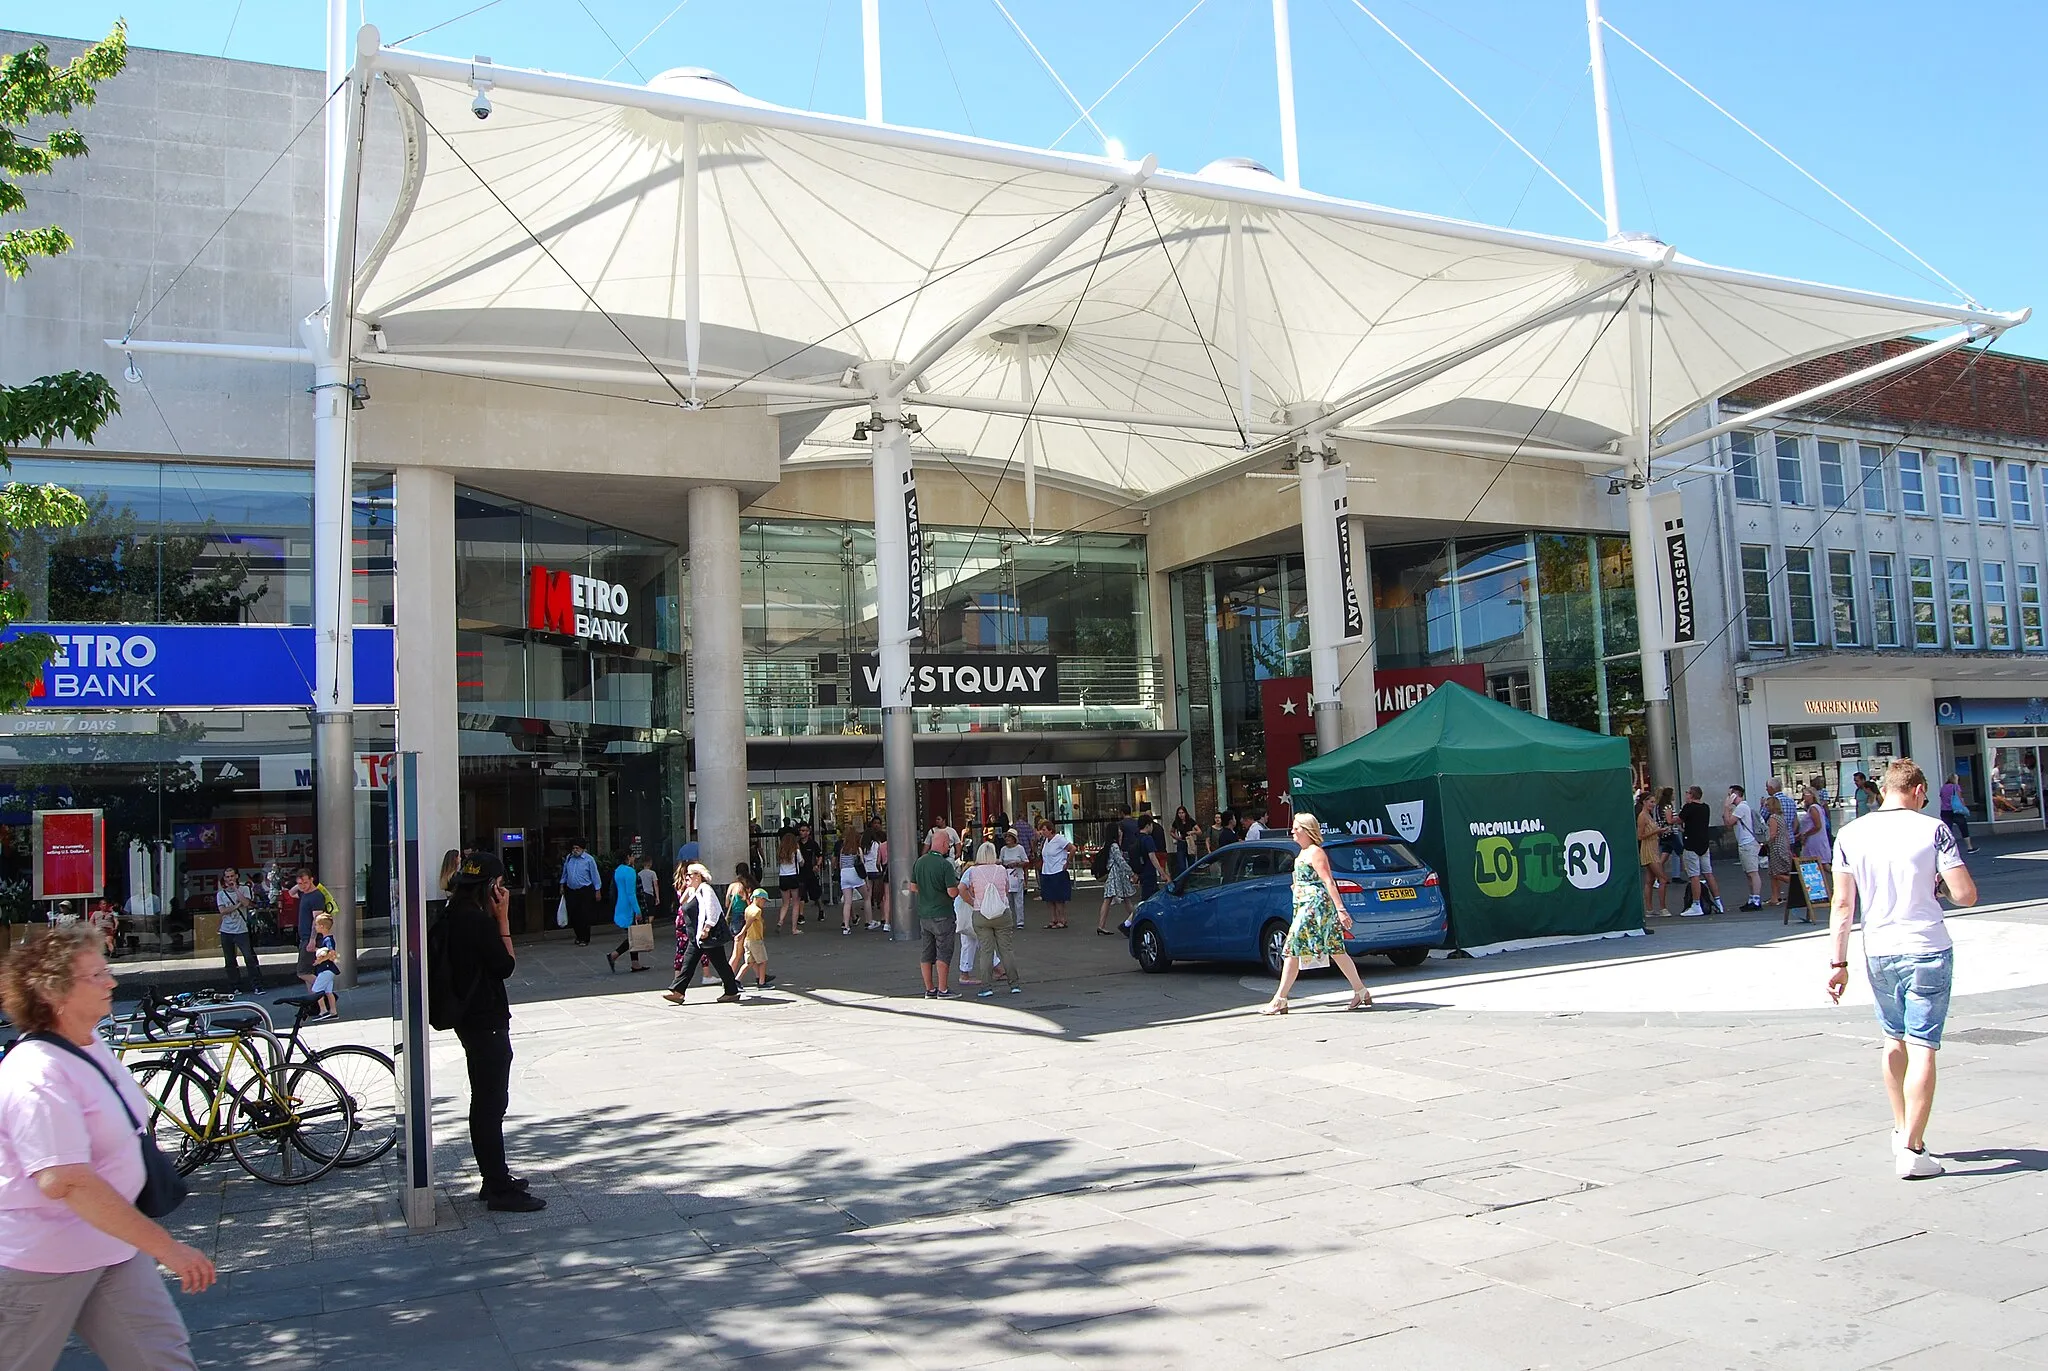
(333, 548)
(340, 57)
(1239, 297)
(693, 304)
(1596, 39)
(899, 577)
(1643, 545)
(1091, 215)
(1283, 70)
(1324, 501)
(1028, 439)
(871, 64)
(1763, 413)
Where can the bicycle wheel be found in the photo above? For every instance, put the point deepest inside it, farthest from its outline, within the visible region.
(371, 1082)
(289, 1126)
(171, 1095)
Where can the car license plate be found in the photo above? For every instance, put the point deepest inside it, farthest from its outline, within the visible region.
(1398, 892)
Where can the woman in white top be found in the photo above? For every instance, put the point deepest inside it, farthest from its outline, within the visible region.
(788, 860)
(985, 887)
(851, 882)
(1055, 883)
(875, 857)
(1015, 859)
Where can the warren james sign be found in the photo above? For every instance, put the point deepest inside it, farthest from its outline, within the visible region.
(963, 678)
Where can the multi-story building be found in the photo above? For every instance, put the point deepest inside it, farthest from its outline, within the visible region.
(1877, 588)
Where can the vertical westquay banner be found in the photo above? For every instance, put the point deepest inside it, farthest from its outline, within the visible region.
(1354, 613)
(1674, 572)
(913, 556)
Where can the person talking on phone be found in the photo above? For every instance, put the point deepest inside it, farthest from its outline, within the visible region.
(479, 952)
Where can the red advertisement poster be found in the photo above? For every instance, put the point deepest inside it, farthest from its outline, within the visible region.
(1284, 708)
(70, 846)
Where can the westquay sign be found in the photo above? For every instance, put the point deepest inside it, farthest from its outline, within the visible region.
(197, 666)
(963, 678)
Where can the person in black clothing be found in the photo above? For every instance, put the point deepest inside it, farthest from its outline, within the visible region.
(810, 860)
(1697, 861)
(479, 950)
(1187, 840)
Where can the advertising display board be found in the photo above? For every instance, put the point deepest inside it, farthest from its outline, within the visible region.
(1528, 823)
(193, 666)
(70, 850)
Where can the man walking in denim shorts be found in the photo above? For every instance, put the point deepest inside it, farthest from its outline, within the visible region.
(1898, 859)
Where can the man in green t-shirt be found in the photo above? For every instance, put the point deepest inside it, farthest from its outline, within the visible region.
(935, 883)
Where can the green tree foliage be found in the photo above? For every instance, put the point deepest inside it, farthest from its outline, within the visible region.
(35, 99)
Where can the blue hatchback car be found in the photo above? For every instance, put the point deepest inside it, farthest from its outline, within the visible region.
(1235, 904)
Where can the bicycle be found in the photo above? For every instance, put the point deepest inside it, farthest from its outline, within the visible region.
(367, 1076)
(284, 1122)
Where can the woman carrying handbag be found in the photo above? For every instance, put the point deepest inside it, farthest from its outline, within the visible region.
(79, 1244)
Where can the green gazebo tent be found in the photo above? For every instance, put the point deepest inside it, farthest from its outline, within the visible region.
(1529, 823)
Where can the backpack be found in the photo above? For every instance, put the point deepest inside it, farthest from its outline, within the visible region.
(445, 1004)
(1098, 865)
(994, 901)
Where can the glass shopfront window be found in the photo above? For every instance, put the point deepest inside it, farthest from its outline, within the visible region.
(194, 543)
(808, 600)
(573, 704)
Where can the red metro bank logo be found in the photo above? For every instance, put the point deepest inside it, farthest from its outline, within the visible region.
(579, 606)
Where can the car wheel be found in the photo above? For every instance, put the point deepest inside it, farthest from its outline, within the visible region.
(1150, 949)
(1408, 956)
(1273, 947)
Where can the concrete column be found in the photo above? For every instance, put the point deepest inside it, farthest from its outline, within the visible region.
(1159, 606)
(718, 676)
(1643, 544)
(428, 712)
(1359, 707)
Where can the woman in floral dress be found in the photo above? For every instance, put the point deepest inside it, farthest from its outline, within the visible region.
(1119, 882)
(1320, 922)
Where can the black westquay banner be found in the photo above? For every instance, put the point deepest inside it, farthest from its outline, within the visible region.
(963, 678)
(914, 559)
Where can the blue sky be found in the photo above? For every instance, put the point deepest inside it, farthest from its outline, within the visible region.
(1928, 118)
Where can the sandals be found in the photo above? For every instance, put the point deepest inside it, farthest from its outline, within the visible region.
(1360, 999)
(1273, 1009)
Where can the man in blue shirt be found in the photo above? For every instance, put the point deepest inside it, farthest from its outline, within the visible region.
(580, 880)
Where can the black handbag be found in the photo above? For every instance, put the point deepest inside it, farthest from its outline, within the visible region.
(163, 1189)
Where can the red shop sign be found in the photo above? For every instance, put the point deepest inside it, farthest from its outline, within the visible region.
(1404, 688)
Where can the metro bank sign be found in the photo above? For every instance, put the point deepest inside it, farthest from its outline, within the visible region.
(576, 606)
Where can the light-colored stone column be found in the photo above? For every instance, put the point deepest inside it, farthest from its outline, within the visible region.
(718, 677)
(427, 708)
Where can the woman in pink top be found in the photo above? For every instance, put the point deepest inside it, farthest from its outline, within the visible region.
(76, 1255)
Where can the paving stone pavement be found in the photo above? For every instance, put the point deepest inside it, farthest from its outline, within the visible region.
(1123, 1170)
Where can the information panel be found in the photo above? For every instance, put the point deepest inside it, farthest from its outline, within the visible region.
(70, 847)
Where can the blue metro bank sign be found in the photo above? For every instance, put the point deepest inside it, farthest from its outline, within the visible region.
(193, 666)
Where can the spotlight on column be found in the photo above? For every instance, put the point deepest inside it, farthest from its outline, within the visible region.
(1614, 485)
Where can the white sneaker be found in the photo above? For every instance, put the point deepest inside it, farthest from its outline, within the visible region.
(1692, 911)
(1915, 1166)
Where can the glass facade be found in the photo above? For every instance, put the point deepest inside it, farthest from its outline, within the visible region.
(567, 736)
(1549, 616)
(808, 607)
(188, 793)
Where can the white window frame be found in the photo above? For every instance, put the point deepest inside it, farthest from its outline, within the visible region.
(2019, 492)
(1756, 579)
(1997, 607)
(1799, 587)
(1870, 462)
(1912, 492)
(1948, 484)
(1926, 632)
(1791, 460)
(2027, 576)
(1984, 489)
(1884, 600)
(1838, 498)
(1962, 607)
(1743, 464)
(1843, 620)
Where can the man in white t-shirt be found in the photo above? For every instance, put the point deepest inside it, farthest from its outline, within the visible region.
(1738, 816)
(1897, 859)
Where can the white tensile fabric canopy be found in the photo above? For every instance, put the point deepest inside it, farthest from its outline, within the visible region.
(1184, 316)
